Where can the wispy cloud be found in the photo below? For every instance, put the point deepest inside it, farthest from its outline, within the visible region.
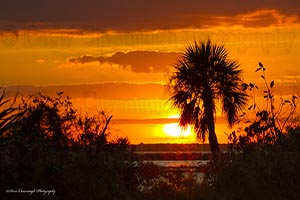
(96, 66)
(266, 17)
(40, 61)
(290, 79)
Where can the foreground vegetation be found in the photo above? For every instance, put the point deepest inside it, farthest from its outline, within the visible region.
(47, 144)
(263, 159)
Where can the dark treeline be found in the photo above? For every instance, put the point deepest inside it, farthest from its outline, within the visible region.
(196, 147)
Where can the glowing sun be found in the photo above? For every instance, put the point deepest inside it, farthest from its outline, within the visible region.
(174, 130)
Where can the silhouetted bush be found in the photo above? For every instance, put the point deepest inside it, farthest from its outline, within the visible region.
(270, 123)
(260, 174)
(51, 146)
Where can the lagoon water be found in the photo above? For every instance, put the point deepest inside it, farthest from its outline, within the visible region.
(178, 163)
(188, 168)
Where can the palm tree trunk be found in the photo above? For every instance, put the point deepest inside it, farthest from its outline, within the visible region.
(209, 104)
(212, 137)
(213, 141)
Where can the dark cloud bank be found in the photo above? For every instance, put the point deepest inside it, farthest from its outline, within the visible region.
(128, 15)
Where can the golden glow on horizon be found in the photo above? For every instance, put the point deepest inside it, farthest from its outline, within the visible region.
(175, 116)
(174, 130)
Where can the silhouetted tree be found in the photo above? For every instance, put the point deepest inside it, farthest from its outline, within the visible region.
(203, 77)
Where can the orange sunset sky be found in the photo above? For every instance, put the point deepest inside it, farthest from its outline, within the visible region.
(115, 54)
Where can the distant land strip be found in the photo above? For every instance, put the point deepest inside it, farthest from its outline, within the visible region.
(179, 148)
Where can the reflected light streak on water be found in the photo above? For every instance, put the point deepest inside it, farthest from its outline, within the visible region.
(178, 163)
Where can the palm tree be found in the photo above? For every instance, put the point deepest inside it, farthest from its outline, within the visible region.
(204, 77)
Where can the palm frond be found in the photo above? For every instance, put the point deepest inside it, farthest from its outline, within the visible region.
(201, 127)
(233, 103)
(179, 99)
(187, 113)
